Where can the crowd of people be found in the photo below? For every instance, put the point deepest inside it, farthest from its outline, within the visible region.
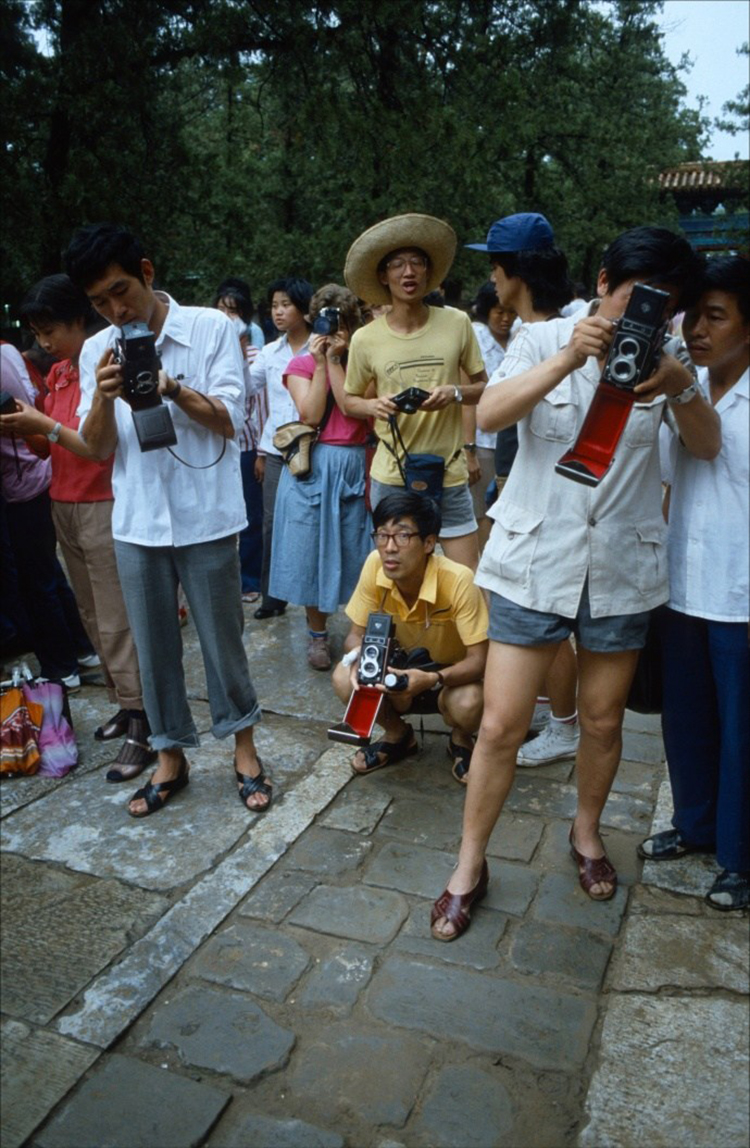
(522, 599)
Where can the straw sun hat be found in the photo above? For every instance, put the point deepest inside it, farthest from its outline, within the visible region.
(435, 237)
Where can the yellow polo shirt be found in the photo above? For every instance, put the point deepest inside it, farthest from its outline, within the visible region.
(449, 614)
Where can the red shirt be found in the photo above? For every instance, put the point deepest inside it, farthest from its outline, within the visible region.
(74, 479)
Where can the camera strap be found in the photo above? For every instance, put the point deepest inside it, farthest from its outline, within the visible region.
(222, 452)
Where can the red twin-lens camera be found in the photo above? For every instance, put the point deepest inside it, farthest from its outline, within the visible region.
(378, 645)
(633, 356)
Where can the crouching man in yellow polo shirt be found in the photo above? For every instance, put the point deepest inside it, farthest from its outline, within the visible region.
(436, 605)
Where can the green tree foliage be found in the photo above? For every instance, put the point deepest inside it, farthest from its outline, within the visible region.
(257, 138)
(737, 111)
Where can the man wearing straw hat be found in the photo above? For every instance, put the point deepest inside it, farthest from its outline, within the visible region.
(397, 263)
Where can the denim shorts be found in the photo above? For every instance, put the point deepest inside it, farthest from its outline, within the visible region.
(519, 626)
(457, 510)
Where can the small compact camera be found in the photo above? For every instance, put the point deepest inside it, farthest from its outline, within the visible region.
(326, 322)
(410, 400)
(136, 351)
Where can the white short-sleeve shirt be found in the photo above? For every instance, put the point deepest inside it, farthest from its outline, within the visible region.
(709, 518)
(552, 533)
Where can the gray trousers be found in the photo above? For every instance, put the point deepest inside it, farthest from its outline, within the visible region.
(274, 467)
(209, 573)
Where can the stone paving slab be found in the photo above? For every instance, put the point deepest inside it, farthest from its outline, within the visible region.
(276, 895)
(672, 1071)
(113, 1002)
(428, 822)
(226, 1032)
(360, 1074)
(576, 955)
(129, 1104)
(693, 875)
(38, 1069)
(94, 833)
(680, 952)
(410, 869)
(358, 809)
(337, 980)
(266, 1132)
(356, 913)
(551, 799)
(547, 1028)
(515, 837)
(45, 962)
(328, 852)
(263, 962)
(465, 1106)
(561, 900)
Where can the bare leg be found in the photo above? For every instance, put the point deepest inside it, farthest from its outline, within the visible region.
(464, 549)
(561, 681)
(315, 619)
(461, 708)
(604, 681)
(513, 678)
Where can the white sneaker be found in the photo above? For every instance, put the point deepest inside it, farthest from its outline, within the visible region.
(73, 681)
(540, 717)
(555, 743)
(90, 661)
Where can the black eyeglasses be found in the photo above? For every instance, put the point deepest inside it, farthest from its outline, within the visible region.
(402, 538)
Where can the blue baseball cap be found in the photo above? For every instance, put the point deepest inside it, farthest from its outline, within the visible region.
(527, 231)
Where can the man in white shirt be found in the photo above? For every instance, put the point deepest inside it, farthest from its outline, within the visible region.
(178, 510)
(706, 661)
(565, 558)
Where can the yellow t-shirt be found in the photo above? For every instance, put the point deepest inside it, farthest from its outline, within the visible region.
(427, 358)
(449, 614)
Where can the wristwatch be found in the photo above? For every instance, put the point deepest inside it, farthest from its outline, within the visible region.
(471, 447)
(684, 396)
(54, 434)
(174, 393)
(457, 395)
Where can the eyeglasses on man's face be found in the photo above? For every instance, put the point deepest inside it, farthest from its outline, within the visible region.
(401, 262)
(402, 538)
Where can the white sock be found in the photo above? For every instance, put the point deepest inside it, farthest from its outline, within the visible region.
(564, 723)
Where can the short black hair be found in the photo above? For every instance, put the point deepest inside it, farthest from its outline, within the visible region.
(56, 299)
(654, 255)
(299, 291)
(238, 292)
(730, 273)
(545, 273)
(95, 247)
(405, 504)
(486, 299)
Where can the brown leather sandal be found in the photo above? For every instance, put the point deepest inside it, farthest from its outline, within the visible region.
(594, 871)
(454, 907)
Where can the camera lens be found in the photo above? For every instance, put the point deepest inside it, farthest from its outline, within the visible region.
(629, 348)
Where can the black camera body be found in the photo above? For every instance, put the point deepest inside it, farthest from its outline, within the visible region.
(136, 352)
(327, 321)
(7, 403)
(410, 400)
(377, 649)
(634, 351)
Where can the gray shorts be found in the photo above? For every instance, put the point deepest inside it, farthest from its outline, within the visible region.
(519, 626)
(457, 509)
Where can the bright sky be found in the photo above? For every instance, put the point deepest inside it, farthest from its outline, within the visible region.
(711, 31)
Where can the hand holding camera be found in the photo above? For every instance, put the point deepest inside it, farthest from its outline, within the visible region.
(591, 337)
